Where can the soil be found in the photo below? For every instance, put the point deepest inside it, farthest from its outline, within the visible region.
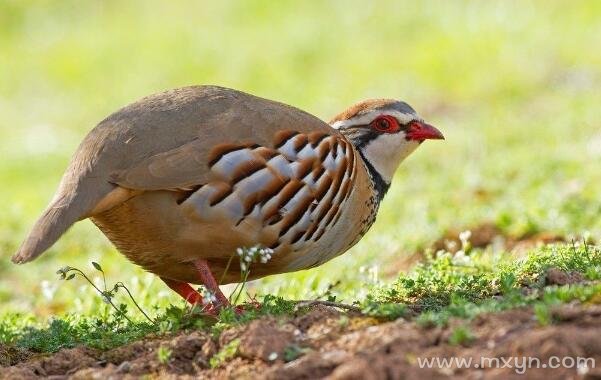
(326, 343)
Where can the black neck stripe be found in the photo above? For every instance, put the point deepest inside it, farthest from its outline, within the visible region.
(361, 137)
(380, 186)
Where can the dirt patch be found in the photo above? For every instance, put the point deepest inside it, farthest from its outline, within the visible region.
(64, 362)
(556, 276)
(12, 355)
(267, 339)
(328, 344)
(488, 234)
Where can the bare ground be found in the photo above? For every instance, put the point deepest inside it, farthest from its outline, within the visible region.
(328, 344)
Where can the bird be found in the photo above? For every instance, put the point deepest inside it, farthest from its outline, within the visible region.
(180, 180)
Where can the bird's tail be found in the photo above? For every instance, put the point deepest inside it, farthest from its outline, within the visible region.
(71, 203)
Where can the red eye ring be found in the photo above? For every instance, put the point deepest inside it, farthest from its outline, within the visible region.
(385, 124)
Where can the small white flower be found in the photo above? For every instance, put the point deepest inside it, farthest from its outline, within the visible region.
(461, 258)
(208, 297)
(48, 289)
(273, 356)
(163, 294)
(465, 237)
(255, 254)
(373, 273)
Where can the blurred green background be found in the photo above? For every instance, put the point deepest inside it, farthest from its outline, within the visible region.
(514, 85)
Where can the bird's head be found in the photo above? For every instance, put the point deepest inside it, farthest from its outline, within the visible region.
(385, 132)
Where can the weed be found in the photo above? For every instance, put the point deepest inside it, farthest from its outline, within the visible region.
(247, 256)
(549, 296)
(59, 334)
(461, 336)
(542, 314)
(226, 353)
(384, 310)
(164, 354)
(294, 352)
(439, 283)
(72, 330)
(68, 273)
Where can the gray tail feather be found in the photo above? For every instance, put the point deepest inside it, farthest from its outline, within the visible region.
(62, 213)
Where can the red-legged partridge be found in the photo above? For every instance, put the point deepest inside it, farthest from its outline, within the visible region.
(179, 180)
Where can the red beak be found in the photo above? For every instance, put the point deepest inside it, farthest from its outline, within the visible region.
(420, 131)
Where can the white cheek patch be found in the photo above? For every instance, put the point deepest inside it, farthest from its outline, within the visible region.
(387, 151)
(367, 118)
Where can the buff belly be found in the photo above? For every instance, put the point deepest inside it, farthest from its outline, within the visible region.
(155, 232)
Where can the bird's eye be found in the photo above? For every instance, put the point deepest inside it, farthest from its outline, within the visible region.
(385, 124)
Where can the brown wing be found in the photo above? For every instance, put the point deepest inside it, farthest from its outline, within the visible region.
(164, 141)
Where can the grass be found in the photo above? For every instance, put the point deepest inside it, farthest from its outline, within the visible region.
(460, 336)
(439, 289)
(432, 294)
(70, 331)
(513, 85)
(113, 329)
(435, 283)
(227, 352)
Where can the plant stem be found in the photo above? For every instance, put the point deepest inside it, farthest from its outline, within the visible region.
(329, 303)
(227, 267)
(121, 285)
(242, 287)
(104, 280)
(101, 293)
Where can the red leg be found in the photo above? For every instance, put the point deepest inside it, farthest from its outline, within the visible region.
(208, 280)
(206, 277)
(186, 291)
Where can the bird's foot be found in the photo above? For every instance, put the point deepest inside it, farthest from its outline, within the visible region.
(217, 300)
(214, 309)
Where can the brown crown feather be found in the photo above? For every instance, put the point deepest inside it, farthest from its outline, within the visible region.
(361, 107)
